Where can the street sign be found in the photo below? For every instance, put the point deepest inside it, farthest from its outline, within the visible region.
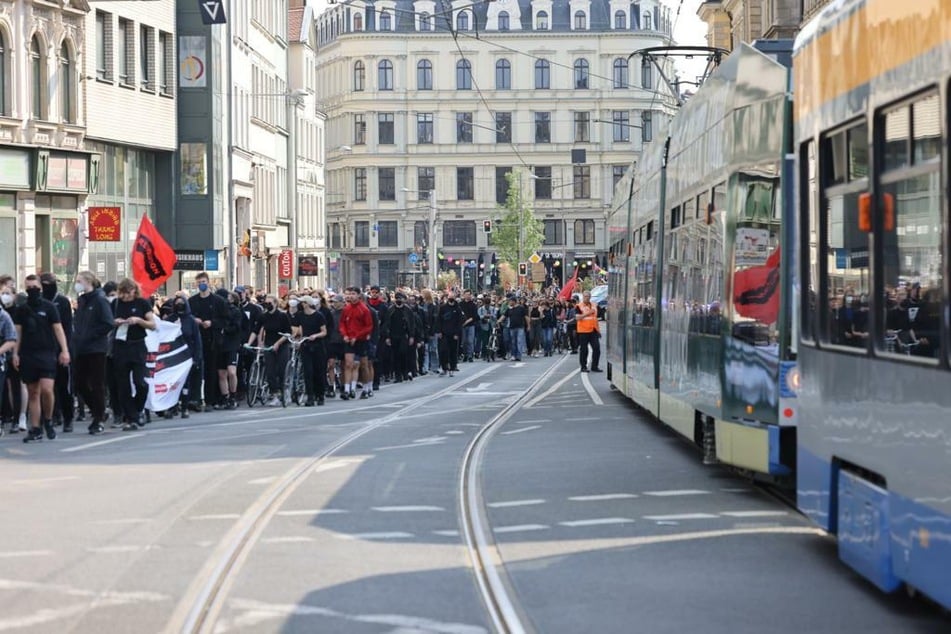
(285, 264)
(471, 264)
(413, 258)
(534, 258)
(211, 259)
(212, 11)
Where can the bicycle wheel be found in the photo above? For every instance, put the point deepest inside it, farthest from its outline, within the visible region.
(254, 383)
(287, 394)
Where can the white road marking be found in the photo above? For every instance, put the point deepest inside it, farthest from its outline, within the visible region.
(447, 533)
(293, 539)
(529, 422)
(597, 522)
(454, 432)
(219, 516)
(552, 389)
(417, 443)
(517, 364)
(46, 480)
(586, 418)
(312, 512)
(100, 443)
(681, 516)
(268, 480)
(128, 520)
(675, 492)
(111, 550)
(338, 463)
(599, 498)
(501, 505)
(590, 388)
(520, 430)
(382, 535)
(407, 509)
(518, 528)
(479, 388)
(754, 513)
(13, 554)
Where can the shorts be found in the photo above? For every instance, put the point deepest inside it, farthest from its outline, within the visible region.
(335, 351)
(33, 369)
(225, 358)
(371, 351)
(358, 349)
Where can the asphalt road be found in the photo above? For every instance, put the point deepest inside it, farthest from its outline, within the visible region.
(347, 518)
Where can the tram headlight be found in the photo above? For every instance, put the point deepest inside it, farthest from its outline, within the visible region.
(793, 380)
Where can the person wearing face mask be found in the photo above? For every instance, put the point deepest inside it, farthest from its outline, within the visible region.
(179, 311)
(228, 354)
(13, 405)
(449, 320)
(250, 313)
(93, 323)
(133, 316)
(399, 332)
(41, 346)
(273, 322)
(63, 409)
(8, 340)
(309, 324)
(210, 312)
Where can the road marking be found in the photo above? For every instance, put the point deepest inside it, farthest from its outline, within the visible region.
(586, 418)
(529, 422)
(518, 528)
(590, 388)
(552, 389)
(100, 443)
(501, 505)
(46, 480)
(754, 513)
(268, 480)
(674, 492)
(429, 442)
(220, 516)
(599, 498)
(479, 388)
(128, 520)
(407, 509)
(330, 465)
(519, 431)
(681, 516)
(293, 539)
(312, 512)
(111, 550)
(13, 554)
(454, 432)
(604, 521)
(390, 535)
(447, 533)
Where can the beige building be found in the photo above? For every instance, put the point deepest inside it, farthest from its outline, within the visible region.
(730, 22)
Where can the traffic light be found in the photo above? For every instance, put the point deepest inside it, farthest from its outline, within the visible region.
(523, 268)
(487, 226)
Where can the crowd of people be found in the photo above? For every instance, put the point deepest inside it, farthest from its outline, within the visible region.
(64, 359)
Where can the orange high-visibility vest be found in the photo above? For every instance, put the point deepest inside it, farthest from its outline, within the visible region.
(587, 322)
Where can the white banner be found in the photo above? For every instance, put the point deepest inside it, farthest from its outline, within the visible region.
(192, 61)
(167, 365)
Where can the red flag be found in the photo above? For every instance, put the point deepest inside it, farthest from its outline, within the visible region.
(569, 287)
(152, 258)
(756, 291)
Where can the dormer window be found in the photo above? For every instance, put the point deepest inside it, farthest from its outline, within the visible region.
(504, 21)
(541, 21)
(386, 21)
(647, 21)
(425, 23)
(620, 20)
(462, 21)
(581, 21)
(358, 22)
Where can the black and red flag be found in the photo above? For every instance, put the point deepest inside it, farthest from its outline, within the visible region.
(152, 258)
(756, 290)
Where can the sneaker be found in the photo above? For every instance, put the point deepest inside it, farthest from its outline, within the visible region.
(50, 431)
(95, 428)
(142, 419)
(596, 370)
(274, 402)
(344, 396)
(364, 396)
(320, 401)
(353, 394)
(21, 425)
(34, 434)
(231, 404)
(184, 412)
(130, 427)
(584, 369)
(309, 402)
(67, 427)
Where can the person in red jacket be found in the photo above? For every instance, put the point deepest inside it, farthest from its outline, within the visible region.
(356, 326)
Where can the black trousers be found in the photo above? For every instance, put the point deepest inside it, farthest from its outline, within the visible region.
(314, 363)
(449, 351)
(210, 371)
(128, 362)
(274, 364)
(398, 353)
(90, 375)
(594, 340)
(63, 389)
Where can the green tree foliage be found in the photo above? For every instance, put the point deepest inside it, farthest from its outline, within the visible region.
(519, 226)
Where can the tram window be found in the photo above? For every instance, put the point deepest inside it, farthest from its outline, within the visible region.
(675, 218)
(690, 209)
(650, 230)
(927, 129)
(719, 197)
(847, 273)
(810, 277)
(847, 153)
(701, 204)
(897, 133)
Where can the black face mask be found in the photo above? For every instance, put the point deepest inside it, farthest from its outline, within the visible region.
(269, 307)
(49, 291)
(33, 294)
(180, 309)
(399, 302)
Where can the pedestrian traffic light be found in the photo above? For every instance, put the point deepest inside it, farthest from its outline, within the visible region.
(523, 268)
(487, 226)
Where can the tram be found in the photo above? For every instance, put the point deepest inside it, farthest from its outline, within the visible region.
(779, 279)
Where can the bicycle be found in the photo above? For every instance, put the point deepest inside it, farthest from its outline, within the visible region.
(490, 351)
(295, 388)
(257, 376)
(561, 342)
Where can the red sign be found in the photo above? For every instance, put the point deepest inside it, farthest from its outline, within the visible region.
(104, 224)
(285, 264)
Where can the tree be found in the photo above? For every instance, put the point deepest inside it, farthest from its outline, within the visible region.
(520, 233)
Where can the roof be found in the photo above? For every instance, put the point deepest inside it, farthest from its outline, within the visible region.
(295, 20)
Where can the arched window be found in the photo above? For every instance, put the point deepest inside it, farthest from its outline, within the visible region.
(424, 22)
(503, 21)
(646, 75)
(462, 21)
(503, 75)
(359, 76)
(38, 75)
(67, 85)
(647, 21)
(541, 21)
(620, 20)
(4, 75)
(542, 74)
(581, 21)
(386, 21)
(358, 22)
(385, 75)
(424, 75)
(463, 75)
(620, 73)
(581, 73)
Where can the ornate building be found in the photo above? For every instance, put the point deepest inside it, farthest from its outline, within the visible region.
(430, 104)
(730, 22)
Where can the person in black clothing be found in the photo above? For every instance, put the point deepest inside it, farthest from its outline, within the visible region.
(517, 315)
(133, 316)
(227, 362)
(469, 323)
(399, 334)
(252, 312)
(92, 323)
(210, 312)
(310, 325)
(449, 319)
(41, 342)
(63, 387)
(272, 323)
(178, 310)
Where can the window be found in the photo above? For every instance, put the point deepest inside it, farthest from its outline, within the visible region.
(424, 127)
(582, 127)
(124, 47)
(360, 183)
(425, 181)
(388, 273)
(554, 232)
(542, 127)
(617, 173)
(503, 21)
(463, 75)
(462, 21)
(584, 232)
(4, 75)
(359, 76)
(358, 22)
(385, 75)
(359, 129)
(542, 74)
(336, 239)
(103, 39)
(503, 75)
(385, 134)
(542, 183)
(620, 20)
(147, 57)
(464, 183)
(621, 124)
(582, 181)
(420, 234)
(503, 127)
(424, 75)
(67, 85)
(464, 127)
(386, 179)
(581, 73)
(425, 22)
(646, 133)
(502, 184)
(166, 59)
(647, 21)
(646, 74)
(363, 267)
(459, 233)
(388, 233)
(541, 21)
(581, 21)
(361, 233)
(386, 21)
(620, 73)
(38, 74)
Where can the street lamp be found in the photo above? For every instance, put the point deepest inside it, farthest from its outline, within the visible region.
(433, 264)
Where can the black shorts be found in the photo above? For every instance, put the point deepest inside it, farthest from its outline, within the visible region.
(335, 351)
(357, 349)
(226, 358)
(32, 369)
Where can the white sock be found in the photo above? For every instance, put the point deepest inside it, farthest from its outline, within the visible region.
(353, 386)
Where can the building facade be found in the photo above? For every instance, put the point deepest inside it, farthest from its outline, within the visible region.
(430, 104)
(730, 22)
(46, 173)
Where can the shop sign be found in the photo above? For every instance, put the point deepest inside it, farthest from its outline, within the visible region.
(307, 265)
(60, 172)
(285, 264)
(189, 260)
(105, 224)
